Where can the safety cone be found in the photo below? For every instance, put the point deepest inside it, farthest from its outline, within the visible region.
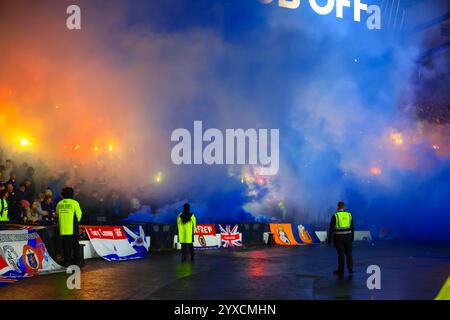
(444, 294)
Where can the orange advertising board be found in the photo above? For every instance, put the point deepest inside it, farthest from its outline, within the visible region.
(282, 234)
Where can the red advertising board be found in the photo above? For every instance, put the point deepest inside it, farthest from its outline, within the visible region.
(205, 230)
(111, 233)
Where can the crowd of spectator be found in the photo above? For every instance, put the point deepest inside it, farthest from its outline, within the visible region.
(34, 202)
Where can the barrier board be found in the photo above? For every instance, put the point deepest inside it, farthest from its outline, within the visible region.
(286, 234)
(23, 254)
(230, 237)
(118, 243)
(205, 237)
(282, 234)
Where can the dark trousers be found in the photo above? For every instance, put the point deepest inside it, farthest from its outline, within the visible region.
(71, 250)
(185, 247)
(343, 244)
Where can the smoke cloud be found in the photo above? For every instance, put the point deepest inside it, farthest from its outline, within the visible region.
(105, 99)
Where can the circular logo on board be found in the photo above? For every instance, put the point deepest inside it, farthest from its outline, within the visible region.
(202, 241)
(11, 257)
(30, 259)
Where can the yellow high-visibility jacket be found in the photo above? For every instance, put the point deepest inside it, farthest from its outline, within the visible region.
(4, 210)
(444, 294)
(66, 211)
(343, 220)
(186, 230)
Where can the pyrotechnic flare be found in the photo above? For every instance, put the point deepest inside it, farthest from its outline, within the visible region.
(158, 177)
(376, 171)
(397, 138)
(24, 142)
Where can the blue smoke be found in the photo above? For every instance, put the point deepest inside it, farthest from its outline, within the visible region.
(221, 207)
(336, 91)
(344, 98)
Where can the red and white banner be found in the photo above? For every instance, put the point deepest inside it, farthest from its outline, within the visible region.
(118, 243)
(230, 237)
(205, 237)
(111, 233)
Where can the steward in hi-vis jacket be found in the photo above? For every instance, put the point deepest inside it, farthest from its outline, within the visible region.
(342, 232)
(186, 225)
(68, 215)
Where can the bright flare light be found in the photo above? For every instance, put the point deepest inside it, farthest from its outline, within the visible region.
(397, 138)
(260, 180)
(110, 148)
(376, 171)
(158, 177)
(24, 142)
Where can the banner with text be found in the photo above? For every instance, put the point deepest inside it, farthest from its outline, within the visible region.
(22, 255)
(205, 237)
(230, 237)
(118, 243)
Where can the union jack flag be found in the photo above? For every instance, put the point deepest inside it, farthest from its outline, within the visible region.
(230, 237)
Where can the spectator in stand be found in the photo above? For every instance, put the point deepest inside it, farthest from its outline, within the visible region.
(26, 212)
(36, 211)
(56, 185)
(21, 171)
(21, 193)
(94, 207)
(125, 207)
(12, 179)
(3, 177)
(81, 197)
(31, 216)
(29, 190)
(8, 168)
(49, 206)
(48, 193)
(25, 203)
(10, 189)
(114, 206)
(135, 203)
(29, 176)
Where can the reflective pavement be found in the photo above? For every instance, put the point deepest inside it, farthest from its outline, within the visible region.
(407, 272)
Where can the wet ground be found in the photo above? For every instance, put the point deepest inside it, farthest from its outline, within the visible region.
(407, 272)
